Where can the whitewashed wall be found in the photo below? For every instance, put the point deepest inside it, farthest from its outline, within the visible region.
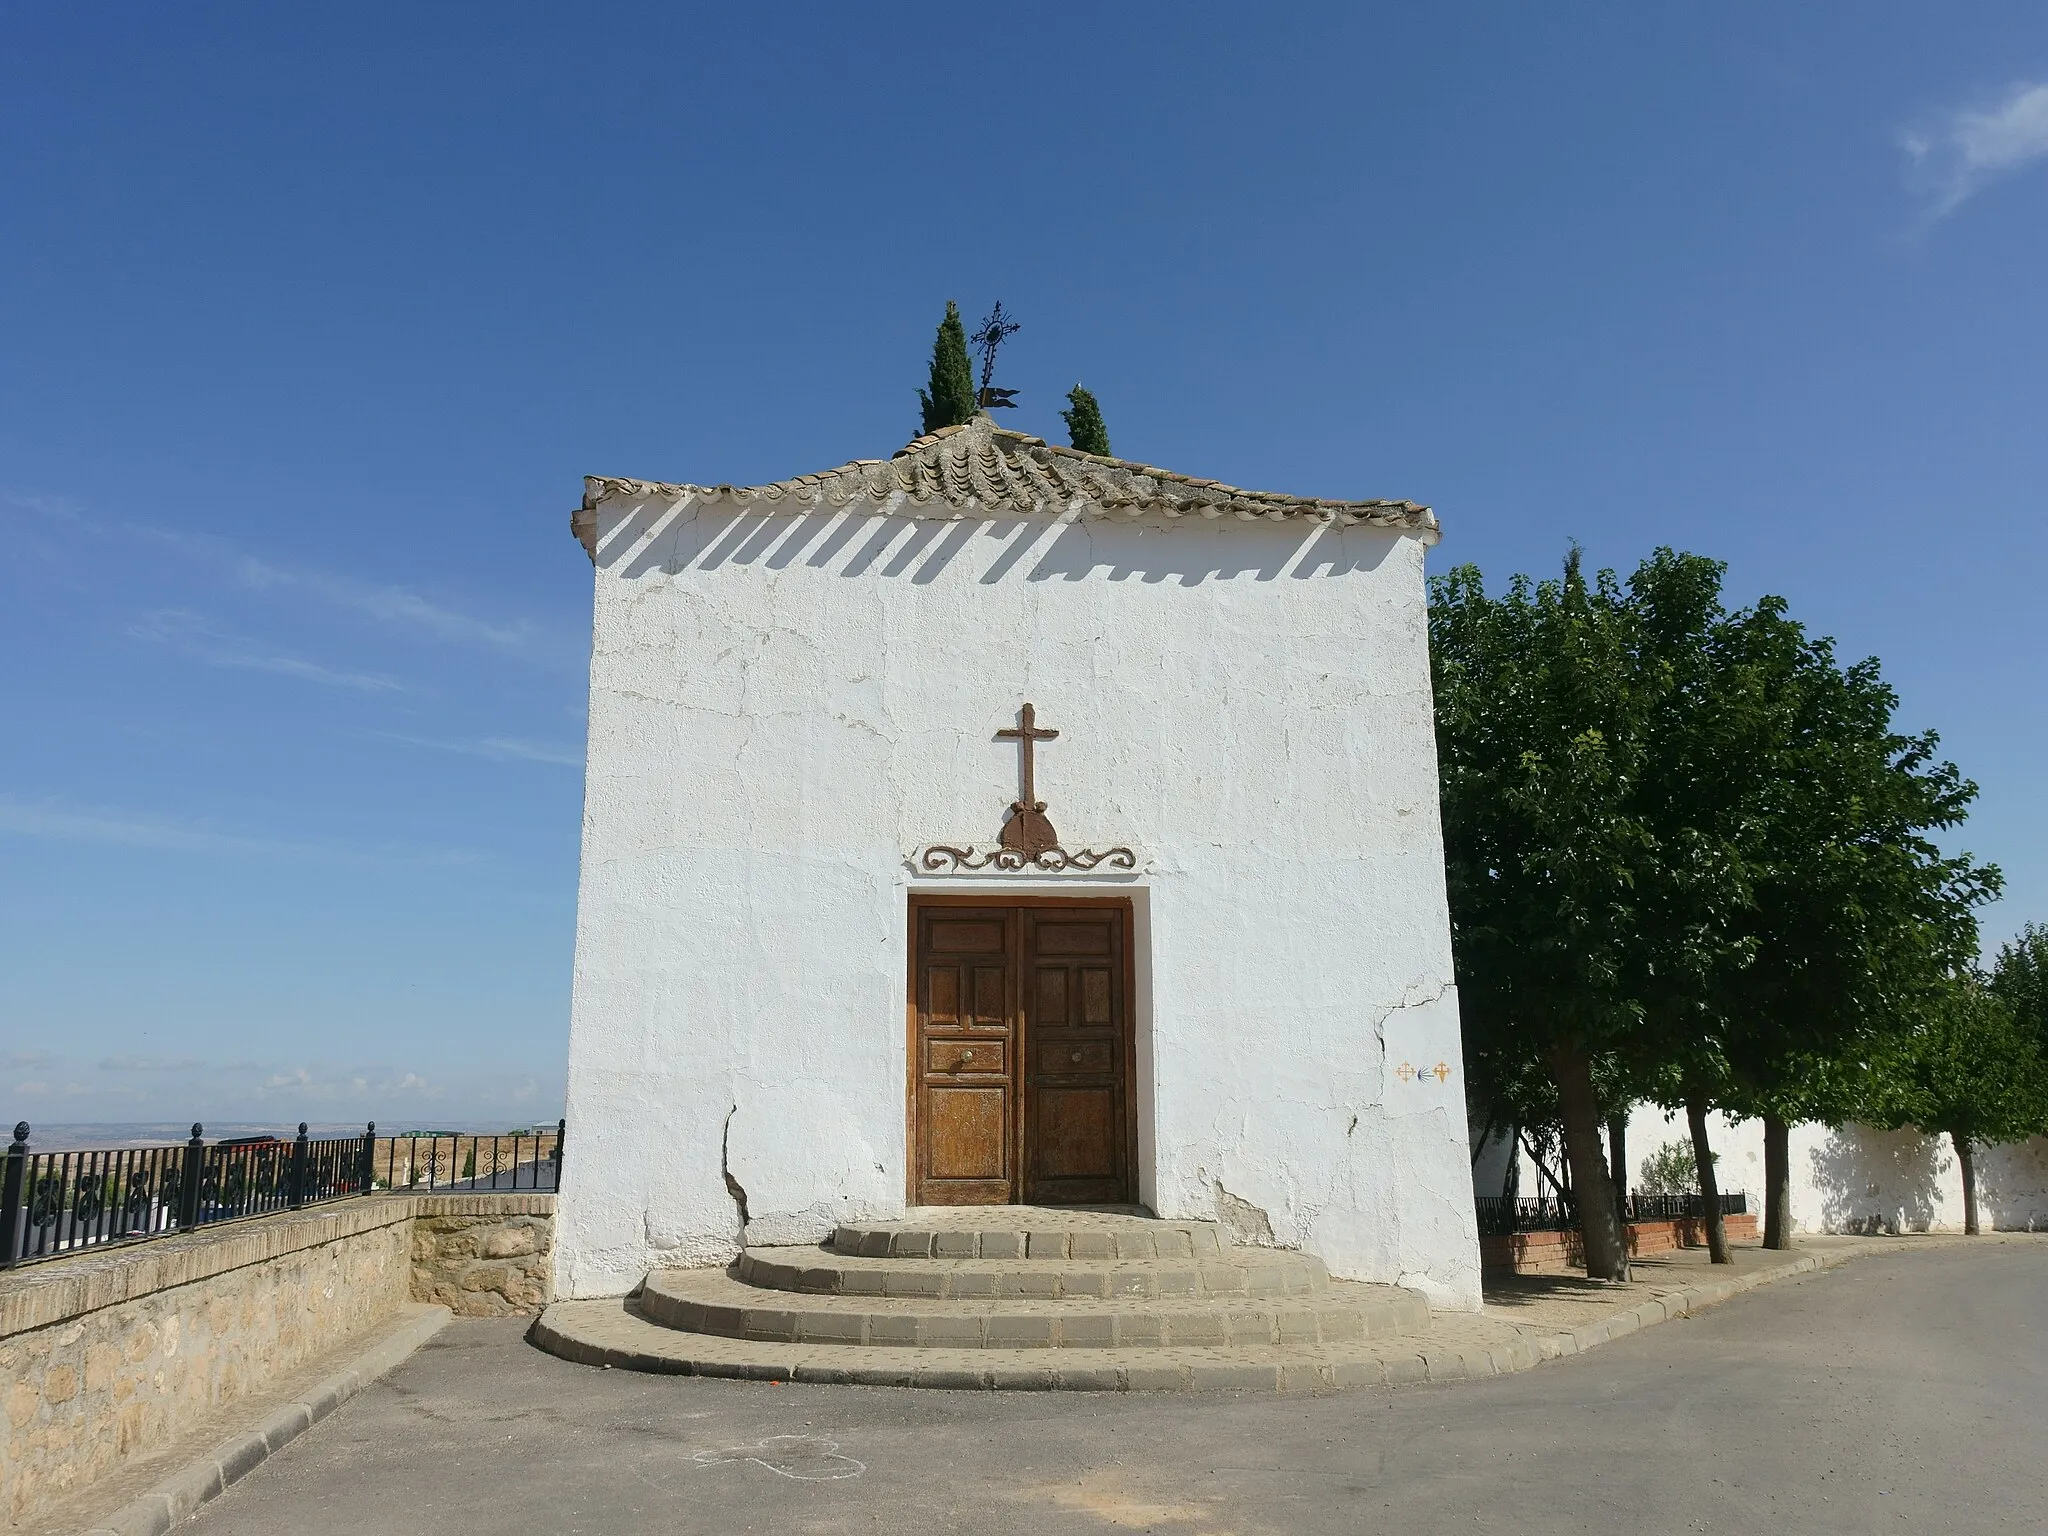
(1853, 1179)
(783, 708)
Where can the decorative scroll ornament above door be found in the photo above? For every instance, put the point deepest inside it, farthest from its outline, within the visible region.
(1028, 839)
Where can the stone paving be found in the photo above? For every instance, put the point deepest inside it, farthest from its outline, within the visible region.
(1903, 1392)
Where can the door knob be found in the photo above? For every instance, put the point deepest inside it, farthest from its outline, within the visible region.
(1077, 1055)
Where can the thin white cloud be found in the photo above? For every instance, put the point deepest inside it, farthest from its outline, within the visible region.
(148, 1064)
(193, 636)
(1965, 149)
(390, 605)
(498, 748)
(305, 1085)
(56, 822)
(386, 604)
(56, 509)
(529, 751)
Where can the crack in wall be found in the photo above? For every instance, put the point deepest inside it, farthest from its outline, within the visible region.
(733, 1186)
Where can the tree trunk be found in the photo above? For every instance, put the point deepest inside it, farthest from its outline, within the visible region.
(1710, 1187)
(1777, 1183)
(1599, 1221)
(1617, 1158)
(1966, 1156)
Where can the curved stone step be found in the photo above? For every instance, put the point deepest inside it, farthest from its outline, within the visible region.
(1025, 1232)
(1236, 1272)
(712, 1302)
(609, 1333)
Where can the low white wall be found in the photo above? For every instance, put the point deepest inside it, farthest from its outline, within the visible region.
(1853, 1179)
(1859, 1179)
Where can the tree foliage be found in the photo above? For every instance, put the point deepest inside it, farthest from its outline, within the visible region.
(948, 398)
(1966, 1068)
(1687, 853)
(2019, 979)
(1671, 1170)
(1083, 417)
(1539, 736)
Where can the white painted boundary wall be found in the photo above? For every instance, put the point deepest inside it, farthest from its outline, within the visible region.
(1856, 1179)
(784, 707)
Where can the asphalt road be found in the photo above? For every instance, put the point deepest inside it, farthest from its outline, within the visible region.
(1899, 1393)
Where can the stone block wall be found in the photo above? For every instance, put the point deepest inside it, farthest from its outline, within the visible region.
(116, 1354)
(112, 1355)
(483, 1255)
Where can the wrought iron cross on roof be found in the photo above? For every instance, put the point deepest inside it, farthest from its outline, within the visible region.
(995, 330)
(1027, 830)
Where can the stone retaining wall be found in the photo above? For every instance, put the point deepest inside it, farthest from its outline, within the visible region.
(483, 1255)
(117, 1353)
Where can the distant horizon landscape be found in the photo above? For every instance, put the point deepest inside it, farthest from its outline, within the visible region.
(94, 1135)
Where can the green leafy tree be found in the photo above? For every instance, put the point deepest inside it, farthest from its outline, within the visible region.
(1539, 735)
(2019, 979)
(1796, 910)
(948, 398)
(1691, 885)
(1967, 1069)
(1083, 417)
(1687, 856)
(1790, 907)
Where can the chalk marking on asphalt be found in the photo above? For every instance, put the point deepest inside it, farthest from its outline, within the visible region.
(806, 1458)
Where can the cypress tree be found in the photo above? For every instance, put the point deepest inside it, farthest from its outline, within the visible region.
(949, 400)
(1084, 422)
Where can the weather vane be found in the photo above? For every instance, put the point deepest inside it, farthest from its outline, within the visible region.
(995, 330)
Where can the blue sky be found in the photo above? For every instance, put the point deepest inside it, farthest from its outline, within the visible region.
(314, 317)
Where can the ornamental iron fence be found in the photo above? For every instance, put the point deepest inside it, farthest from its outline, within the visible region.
(1499, 1215)
(57, 1203)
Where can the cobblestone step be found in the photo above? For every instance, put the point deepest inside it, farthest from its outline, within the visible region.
(609, 1333)
(1236, 1272)
(713, 1302)
(1026, 1232)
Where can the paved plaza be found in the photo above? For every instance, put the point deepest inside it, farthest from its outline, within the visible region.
(1904, 1391)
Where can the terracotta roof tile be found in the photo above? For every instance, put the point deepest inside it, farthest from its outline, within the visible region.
(980, 469)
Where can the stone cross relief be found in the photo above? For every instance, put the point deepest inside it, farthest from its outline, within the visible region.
(1027, 840)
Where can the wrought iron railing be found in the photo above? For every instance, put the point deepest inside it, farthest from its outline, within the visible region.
(460, 1163)
(57, 1203)
(1499, 1215)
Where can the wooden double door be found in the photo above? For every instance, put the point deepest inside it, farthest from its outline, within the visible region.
(1021, 1052)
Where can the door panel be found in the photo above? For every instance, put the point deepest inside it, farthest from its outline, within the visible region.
(953, 1057)
(1076, 1134)
(965, 1100)
(1076, 1121)
(968, 1132)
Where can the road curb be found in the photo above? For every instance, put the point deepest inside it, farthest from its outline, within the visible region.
(207, 1476)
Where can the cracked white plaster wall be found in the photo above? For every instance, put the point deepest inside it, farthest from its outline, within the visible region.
(784, 707)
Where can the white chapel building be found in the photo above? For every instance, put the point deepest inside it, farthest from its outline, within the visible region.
(1001, 824)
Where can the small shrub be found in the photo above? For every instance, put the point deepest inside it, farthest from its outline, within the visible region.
(1671, 1170)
